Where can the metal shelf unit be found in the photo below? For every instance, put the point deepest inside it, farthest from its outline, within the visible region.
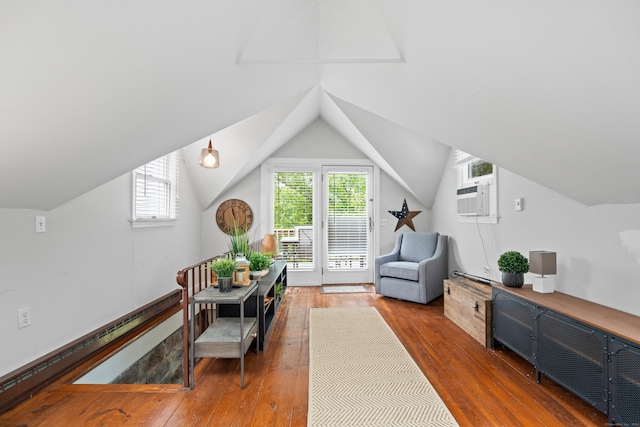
(226, 337)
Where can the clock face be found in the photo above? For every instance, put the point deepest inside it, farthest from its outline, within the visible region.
(234, 213)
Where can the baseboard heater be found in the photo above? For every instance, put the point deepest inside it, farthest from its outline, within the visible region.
(20, 384)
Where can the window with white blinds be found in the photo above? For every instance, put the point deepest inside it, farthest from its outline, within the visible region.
(155, 190)
(347, 228)
(293, 217)
(292, 199)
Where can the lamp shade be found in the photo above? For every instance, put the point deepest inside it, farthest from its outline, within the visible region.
(269, 243)
(209, 158)
(542, 262)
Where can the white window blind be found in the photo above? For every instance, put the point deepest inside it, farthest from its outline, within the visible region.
(292, 199)
(293, 217)
(460, 158)
(347, 231)
(155, 190)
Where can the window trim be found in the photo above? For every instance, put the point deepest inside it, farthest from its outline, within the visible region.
(173, 196)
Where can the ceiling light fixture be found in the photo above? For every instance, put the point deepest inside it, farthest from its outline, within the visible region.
(209, 158)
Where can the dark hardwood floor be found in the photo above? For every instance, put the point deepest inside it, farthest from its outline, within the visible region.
(481, 387)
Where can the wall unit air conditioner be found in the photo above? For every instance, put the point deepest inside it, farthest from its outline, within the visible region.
(473, 201)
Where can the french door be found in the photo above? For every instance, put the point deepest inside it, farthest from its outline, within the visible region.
(321, 216)
(347, 224)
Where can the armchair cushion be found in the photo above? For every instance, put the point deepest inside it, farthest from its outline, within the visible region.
(418, 246)
(400, 270)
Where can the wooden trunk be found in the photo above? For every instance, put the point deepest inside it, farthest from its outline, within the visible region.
(468, 304)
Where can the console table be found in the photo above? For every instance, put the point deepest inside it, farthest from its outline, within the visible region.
(226, 337)
(268, 302)
(592, 350)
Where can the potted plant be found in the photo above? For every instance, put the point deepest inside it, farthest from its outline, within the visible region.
(224, 268)
(279, 291)
(239, 241)
(258, 263)
(513, 266)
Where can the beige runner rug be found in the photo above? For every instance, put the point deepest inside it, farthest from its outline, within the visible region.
(360, 374)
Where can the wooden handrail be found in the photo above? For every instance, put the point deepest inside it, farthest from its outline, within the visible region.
(192, 280)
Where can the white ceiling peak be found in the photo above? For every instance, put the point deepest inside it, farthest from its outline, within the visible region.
(319, 31)
(417, 160)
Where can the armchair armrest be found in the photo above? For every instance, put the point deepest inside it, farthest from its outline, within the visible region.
(383, 259)
(435, 268)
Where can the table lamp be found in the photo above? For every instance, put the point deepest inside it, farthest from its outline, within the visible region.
(543, 263)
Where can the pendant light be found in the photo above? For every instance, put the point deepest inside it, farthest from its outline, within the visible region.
(209, 158)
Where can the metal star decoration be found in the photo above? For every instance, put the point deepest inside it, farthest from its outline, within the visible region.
(405, 216)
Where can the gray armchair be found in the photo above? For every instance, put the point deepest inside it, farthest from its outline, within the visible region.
(415, 269)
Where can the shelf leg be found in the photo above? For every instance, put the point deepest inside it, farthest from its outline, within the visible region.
(191, 345)
(242, 345)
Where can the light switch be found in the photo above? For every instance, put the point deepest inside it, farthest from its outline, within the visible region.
(41, 224)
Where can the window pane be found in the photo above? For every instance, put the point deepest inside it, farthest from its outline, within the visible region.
(480, 168)
(155, 189)
(293, 217)
(347, 222)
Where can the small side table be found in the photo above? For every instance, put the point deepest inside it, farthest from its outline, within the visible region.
(226, 337)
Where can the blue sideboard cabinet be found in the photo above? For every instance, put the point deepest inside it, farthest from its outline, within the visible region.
(591, 350)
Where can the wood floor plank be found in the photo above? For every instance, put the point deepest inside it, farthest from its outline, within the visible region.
(481, 387)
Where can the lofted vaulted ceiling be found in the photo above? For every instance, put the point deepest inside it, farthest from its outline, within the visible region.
(91, 90)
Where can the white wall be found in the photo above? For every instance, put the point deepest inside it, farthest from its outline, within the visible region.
(598, 248)
(216, 242)
(88, 269)
(392, 196)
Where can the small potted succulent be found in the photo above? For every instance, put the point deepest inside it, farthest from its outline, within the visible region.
(513, 266)
(258, 264)
(224, 269)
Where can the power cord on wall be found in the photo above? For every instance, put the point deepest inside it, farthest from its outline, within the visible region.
(487, 268)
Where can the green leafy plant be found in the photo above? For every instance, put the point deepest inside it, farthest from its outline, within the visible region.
(258, 261)
(279, 291)
(239, 242)
(513, 262)
(224, 267)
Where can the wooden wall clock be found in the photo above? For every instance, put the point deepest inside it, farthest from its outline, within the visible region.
(234, 213)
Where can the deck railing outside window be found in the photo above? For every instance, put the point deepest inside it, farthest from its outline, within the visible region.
(296, 246)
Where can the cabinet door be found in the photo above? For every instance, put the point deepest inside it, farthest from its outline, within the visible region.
(574, 356)
(513, 323)
(625, 383)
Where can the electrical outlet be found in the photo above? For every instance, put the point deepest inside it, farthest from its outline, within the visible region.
(487, 270)
(24, 317)
(383, 221)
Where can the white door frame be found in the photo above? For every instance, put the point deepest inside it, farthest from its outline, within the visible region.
(357, 275)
